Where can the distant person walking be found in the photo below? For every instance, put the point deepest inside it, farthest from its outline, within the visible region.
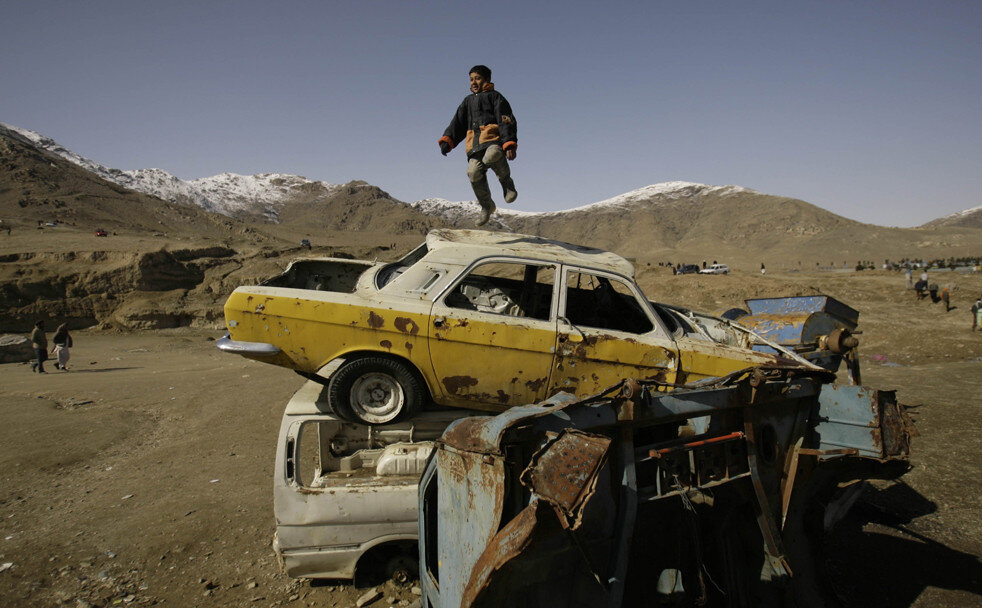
(910, 278)
(946, 297)
(39, 342)
(485, 121)
(762, 269)
(63, 342)
(920, 289)
(977, 314)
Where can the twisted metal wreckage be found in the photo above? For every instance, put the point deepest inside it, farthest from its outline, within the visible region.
(711, 480)
(714, 493)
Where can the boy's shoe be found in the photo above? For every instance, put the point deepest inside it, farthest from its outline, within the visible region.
(508, 185)
(56, 366)
(486, 210)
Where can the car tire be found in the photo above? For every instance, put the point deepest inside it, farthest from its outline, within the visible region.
(375, 390)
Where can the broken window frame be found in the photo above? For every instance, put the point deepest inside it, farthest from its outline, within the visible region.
(441, 298)
(657, 327)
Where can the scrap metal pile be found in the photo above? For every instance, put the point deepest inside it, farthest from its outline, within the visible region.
(711, 494)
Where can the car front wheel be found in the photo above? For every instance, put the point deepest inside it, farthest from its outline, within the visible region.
(375, 390)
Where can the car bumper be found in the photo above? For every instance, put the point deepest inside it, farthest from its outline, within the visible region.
(253, 349)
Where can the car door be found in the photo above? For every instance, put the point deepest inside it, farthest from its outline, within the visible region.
(606, 332)
(492, 334)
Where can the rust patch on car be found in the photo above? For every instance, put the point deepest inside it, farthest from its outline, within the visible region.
(534, 385)
(385, 344)
(409, 346)
(407, 325)
(375, 321)
(462, 323)
(503, 396)
(454, 384)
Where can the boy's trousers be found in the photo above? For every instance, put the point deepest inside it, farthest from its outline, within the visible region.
(477, 170)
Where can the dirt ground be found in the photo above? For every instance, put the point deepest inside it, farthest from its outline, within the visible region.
(142, 476)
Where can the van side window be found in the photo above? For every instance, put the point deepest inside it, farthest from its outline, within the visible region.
(603, 303)
(506, 288)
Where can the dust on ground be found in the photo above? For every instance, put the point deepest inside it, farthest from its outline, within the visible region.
(142, 476)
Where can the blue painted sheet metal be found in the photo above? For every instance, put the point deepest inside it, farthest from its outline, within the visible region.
(844, 314)
(470, 491)
(861, 418)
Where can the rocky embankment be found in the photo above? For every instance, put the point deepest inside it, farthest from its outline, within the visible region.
(125, 290)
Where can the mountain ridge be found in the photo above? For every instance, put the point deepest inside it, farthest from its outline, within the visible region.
(263, 195)
(669, 221)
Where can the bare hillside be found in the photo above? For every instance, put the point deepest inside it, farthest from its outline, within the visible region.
(37, 186)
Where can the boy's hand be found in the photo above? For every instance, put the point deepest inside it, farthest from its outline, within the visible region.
(511, 153)
(444, 148)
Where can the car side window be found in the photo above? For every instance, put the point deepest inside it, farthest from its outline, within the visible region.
(513, 289)
(604, 303)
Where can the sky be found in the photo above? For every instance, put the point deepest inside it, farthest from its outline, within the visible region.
(871, 110)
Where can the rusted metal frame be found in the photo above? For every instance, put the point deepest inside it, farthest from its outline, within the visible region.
(836, 452)
(679, 405)
(790, 472)
(765, 517)
(626, 516)
(430, 586)
(644, 497)
(852, 365)
(659, 452)
(565, 470)
(803, 415)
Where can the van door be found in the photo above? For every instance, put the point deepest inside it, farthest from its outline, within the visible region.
(492, 334)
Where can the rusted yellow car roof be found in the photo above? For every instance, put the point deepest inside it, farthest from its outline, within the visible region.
(462, 246)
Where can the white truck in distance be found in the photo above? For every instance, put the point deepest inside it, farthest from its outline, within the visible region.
(716, 269)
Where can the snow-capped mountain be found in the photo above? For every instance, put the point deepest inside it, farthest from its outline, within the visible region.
(227, 193)
(967, 218)
(666, 192)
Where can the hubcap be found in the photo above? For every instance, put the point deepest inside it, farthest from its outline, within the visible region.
(377, 397)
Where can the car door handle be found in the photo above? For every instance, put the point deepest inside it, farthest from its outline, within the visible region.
(438, 322)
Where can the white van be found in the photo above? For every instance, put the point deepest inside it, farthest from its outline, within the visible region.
(716, 269)
(345, 494)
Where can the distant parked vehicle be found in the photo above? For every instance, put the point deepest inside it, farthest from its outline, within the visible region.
(101, 232)
(689, 269)
(305, 243)
(716, 269)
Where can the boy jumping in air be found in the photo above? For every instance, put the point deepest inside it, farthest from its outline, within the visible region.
(484, 119)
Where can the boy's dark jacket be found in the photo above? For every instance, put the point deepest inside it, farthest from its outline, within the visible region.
(483, 119)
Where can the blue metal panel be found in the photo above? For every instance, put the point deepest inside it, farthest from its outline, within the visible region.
(843, 313)
(470, 492)
(849, 417)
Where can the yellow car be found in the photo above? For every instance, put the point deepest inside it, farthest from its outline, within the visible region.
(478, 320)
